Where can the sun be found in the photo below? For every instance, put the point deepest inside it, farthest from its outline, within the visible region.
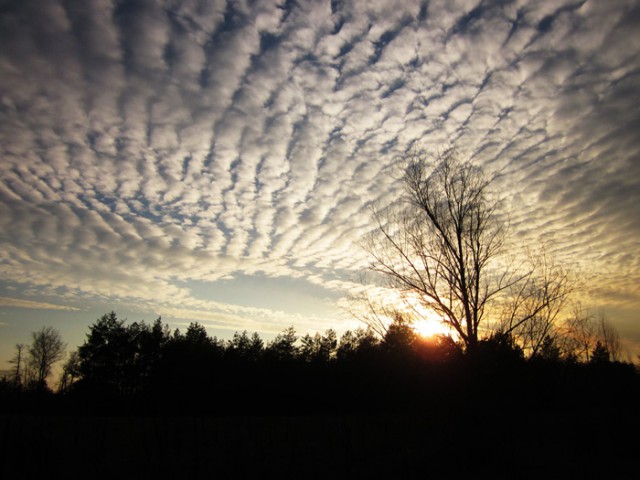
(429, 327)
(427, 323)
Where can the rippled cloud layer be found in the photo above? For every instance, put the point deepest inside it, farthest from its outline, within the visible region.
(145, 145)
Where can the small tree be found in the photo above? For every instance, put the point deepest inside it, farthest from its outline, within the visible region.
(609, 338)
(578, 334)
(535, 302)
(18, 361)
(400, 336)
(283, 348)
(197, 335)
(581, 332)
(45, 350)
(107, 356)
(600, 354)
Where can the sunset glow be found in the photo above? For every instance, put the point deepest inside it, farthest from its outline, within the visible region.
(429, 327)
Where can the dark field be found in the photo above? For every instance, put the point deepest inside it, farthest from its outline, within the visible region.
(534, 445)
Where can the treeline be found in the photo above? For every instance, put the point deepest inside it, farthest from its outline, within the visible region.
(141, 368)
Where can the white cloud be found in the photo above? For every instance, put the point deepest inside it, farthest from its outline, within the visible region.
(31, 304)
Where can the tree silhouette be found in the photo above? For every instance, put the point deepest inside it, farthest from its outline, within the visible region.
(535, 301)
(46, 349)
(319, 348)
(609, 338)
(549, 350)
(141, 368)
(148, 342)
(356, 343)
(116, 358)
(600, 354)
(105, 355)
(196, 335)
(440, 245)
(245, 347)
(18, 361)
(400, 336)
(70, 372)
(282, 347)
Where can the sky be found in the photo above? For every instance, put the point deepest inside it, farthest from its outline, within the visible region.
(214, 161)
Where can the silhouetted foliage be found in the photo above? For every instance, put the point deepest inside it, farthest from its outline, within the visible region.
(600, 354)
(319, 348)
(245, 347)
(119, 359)
(70, 372)
(356, 343)
(135, 368)
(283, 347)
(548, 351)
(400, 336)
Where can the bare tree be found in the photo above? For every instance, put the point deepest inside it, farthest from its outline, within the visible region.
(534, 303)
(609, 338)
(18, 361)
(46, 349)
(581, 332)
(577, 335)
(444, 241)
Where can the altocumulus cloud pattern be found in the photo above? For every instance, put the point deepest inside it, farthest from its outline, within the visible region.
(148, 144)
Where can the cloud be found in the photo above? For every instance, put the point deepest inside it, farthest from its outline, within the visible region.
(146, 145)
(31, 304)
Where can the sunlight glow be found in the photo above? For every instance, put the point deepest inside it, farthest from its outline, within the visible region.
(426, 322)
(379, 305)
(429, 327)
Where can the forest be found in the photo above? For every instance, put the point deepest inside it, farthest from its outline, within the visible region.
(145, 369)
